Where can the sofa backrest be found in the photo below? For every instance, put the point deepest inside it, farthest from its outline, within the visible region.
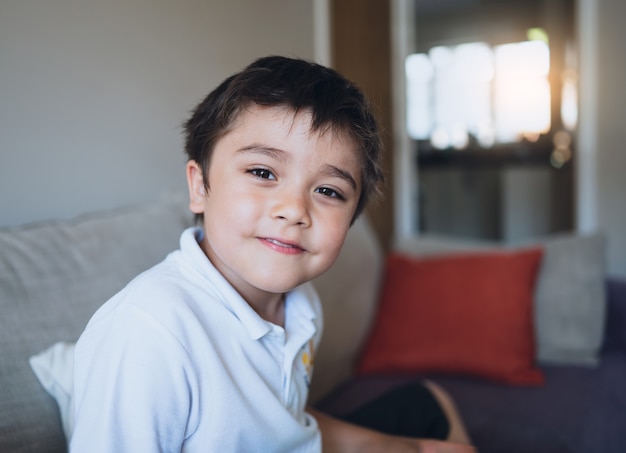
(349, 292)
(53, 276)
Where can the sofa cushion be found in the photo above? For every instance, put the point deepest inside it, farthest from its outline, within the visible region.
(579, 409)
(54, 369)
(469, 313)
(570, 305)
(53, 276)
(570, 298)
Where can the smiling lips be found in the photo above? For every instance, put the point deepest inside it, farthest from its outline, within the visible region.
(282, 247)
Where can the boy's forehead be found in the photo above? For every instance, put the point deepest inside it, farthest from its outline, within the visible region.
(290, 117)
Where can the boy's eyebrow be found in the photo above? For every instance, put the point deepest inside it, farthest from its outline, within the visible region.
(282, 155)
(331, 170)
(275, 153)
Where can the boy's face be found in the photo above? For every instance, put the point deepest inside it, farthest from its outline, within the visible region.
(280, 201)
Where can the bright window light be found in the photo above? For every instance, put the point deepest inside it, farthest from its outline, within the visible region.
(475, 92)
(522, 90)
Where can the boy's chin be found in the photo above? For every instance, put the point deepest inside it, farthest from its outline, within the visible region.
(275, 276)
(281, 286)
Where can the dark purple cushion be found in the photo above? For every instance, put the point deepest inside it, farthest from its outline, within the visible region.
(578, 410)
(615, 330)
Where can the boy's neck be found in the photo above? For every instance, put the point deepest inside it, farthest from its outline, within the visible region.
(272, 310)
(269, 306)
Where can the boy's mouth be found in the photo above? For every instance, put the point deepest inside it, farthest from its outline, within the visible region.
(282, 246)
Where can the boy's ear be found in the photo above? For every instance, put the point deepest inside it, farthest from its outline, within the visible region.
(195, 184)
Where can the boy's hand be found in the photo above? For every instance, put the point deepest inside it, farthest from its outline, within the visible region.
(402, 444)
(437, 446)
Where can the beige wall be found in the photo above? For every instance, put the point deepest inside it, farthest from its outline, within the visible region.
(601, 198)
(92, 93)
(611, 162)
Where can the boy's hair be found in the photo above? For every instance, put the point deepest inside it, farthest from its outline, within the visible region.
(336, 105)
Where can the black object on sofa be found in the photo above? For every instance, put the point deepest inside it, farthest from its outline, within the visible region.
(578, 410)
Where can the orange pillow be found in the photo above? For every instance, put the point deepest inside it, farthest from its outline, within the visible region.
(465, 314)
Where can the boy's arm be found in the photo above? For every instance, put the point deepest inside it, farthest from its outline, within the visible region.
(130, 387)
(340, 436)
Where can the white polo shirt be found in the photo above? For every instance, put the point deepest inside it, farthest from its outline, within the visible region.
(178, 361)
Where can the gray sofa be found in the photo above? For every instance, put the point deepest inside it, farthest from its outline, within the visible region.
(54, 275)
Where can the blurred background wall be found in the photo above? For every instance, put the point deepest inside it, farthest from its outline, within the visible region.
(93, 93)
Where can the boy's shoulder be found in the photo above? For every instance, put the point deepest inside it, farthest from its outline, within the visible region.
(184, 274)
(169, 285)
(163, 292)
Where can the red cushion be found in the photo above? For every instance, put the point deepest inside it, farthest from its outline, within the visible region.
(465, 314)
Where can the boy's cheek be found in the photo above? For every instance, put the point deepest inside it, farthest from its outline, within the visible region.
(335, 246)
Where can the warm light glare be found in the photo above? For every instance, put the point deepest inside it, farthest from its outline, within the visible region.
(522, 107)
(569, 101)
(537, 34)
(522, 90)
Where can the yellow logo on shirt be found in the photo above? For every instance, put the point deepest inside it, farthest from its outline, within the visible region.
(308, 359)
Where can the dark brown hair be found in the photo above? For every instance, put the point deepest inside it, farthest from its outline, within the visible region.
(335, 103)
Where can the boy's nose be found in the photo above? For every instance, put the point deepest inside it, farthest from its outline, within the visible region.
(293, 208)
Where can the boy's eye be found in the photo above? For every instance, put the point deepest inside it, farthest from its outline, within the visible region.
(262, 173)
(328, 192)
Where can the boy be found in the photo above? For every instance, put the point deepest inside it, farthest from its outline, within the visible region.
(204, 352)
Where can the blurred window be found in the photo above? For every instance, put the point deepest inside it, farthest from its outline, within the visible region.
(477, 95)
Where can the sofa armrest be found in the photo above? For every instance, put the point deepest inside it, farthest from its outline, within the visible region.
(615, 333)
